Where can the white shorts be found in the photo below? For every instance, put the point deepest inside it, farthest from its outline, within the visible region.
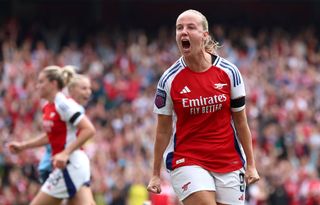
(229, 187)
(64, 183)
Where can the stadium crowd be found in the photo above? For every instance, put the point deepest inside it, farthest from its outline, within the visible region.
(282, 75)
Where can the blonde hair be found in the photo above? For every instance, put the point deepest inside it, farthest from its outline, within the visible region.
(61, 75)
(210, 45)
(68, 73)
(76, 80)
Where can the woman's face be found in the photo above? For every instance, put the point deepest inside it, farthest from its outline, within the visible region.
(44, 86)
(81, 91)
(190, 35)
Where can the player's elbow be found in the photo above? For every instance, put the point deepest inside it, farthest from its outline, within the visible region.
(91, 131)
(88, 131)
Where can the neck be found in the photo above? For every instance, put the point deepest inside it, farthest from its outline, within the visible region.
(199, 63)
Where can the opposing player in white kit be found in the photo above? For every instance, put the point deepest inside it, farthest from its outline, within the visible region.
(203, 95)
(67, 129)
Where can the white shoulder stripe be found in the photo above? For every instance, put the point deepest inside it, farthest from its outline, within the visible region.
(171, 71)
(182, 62)
(234, 71)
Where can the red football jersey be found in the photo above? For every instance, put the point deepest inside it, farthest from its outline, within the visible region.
(201, 104)
(59, 121)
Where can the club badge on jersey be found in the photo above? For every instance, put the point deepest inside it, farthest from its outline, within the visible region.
(160, 99)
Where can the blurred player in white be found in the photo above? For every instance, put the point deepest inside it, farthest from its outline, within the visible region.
(203, 96)
(79, 89)
(67, 129)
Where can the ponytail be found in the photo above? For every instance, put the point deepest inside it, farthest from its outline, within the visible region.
(62, 75)
(211, 45)
(67, 73)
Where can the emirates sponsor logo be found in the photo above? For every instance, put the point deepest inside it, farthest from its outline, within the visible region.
(203, 105)
(203, 101)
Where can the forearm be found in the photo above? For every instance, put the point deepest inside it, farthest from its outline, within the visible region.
(246, 142)
(163, 135)
(84, 136)
(160, 145)
(39, 141)
(245, 138)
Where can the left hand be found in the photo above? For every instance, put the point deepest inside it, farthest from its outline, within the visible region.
(60, 160)
(154, 185)
(251, 176)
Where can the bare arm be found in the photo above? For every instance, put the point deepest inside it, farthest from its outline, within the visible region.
(163, 134)
(86, 131)
(16, 147)
(242, 127)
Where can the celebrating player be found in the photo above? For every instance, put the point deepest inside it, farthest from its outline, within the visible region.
(203, 95)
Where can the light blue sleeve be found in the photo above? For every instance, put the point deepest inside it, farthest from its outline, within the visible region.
(45, 162)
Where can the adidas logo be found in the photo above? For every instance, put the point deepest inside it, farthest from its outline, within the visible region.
(185, 90)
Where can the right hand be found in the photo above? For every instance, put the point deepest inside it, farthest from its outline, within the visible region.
(60, 160)
(251, 175)
(154, 185)
(15, 147)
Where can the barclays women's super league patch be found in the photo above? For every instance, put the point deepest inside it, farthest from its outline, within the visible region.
(161, 97)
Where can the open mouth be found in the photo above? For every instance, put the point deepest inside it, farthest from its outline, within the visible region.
(86, 98)
(185, 44)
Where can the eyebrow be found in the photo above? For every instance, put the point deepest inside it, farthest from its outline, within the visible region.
(189, 24)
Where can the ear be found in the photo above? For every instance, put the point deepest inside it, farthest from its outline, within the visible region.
(54, 83)
(205, 35)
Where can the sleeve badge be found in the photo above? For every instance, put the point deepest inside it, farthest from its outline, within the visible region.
(160, 99)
